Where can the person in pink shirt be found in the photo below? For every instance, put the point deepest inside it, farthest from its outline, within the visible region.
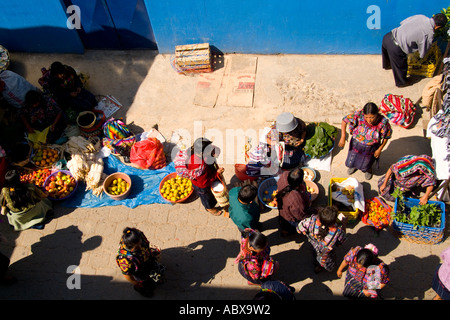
(441, 280)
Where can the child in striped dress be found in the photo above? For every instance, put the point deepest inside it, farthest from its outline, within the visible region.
(325, 232)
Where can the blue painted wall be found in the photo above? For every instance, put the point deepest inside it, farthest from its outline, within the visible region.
(283, 26)
(37, 26)
(242, 26)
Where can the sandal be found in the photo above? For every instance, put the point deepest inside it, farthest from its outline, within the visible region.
(215, 212)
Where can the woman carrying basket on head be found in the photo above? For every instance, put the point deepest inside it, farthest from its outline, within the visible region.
(199, 165)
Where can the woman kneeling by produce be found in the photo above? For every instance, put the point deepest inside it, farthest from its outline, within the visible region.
(409, 173)
(370, 132)
(25, 205)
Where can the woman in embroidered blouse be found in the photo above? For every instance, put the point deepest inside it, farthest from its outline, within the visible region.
(370, 132)
(254, 261)
(138, 261)
(359, 260)
(325, 232)
(408, 173)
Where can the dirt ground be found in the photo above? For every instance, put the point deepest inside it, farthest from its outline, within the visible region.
(314, 88)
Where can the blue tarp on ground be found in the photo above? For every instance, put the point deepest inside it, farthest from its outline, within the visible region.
(144, 187)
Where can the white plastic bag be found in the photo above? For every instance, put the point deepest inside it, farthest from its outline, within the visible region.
(339, 196)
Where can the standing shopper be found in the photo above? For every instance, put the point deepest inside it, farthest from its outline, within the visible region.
(441, 280)
(369, 132)
(254, 261)
(199, 165)
(138, 263)
(415, 33)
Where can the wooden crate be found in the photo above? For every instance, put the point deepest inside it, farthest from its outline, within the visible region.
(193, 58)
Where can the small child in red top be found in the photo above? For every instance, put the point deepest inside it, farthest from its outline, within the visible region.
(199, 165)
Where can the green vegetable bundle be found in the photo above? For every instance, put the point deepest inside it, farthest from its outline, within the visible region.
(427, 215)
(319, 139)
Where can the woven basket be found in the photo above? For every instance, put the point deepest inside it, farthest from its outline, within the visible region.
(222, 197)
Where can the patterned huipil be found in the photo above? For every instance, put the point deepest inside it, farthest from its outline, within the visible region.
(257, 265)
(323, 247)
(134, 263)
(360, 275)
(365, 133)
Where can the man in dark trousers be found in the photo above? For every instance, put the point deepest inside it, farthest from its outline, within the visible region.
(415, 33)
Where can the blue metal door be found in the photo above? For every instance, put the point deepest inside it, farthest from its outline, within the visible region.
(114, 24)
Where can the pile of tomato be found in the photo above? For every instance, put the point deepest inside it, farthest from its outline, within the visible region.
(377, 213)
(36, 177)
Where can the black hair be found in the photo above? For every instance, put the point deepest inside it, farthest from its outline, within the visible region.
(365, 257)
(440, 20)
(370, 108)
(57, 68)
(20, 195)
(32, 97)
(131, 237)
(295, 179)
(256, 239)
(203, 148)
(327, 217)
(247, 193)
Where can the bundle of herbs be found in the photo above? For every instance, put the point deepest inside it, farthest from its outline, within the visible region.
(319, 139)
(427, 215)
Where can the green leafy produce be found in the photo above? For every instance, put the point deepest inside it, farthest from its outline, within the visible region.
(319, 139)
(427, 215)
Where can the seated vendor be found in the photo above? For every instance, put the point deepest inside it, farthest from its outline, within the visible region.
(409, 173)
(41, 112)
(68, 90)
(291, 131)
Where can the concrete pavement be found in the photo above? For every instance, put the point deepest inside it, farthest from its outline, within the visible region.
(199, 249)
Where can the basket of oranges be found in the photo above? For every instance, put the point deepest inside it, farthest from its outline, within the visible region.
(175, 189)
(45, 157)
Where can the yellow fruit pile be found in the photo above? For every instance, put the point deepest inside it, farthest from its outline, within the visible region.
(271, 200)
(176, 189)
(45, 157)
(117, 187)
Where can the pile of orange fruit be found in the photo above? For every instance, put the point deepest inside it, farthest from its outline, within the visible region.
(45, 157)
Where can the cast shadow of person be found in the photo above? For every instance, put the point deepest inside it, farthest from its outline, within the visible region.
(397, 148)
(191, 266)
(410, 277)
(46, 273)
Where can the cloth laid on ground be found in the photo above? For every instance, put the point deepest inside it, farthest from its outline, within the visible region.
(144, 187)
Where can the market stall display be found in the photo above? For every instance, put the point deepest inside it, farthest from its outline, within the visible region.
(117, 185)
(377, 213)
(319, 139)
(267, 192)
(60, 185)
(45, 157)
(175, 189)
(309, 174)
(416, 223)
(313, 189)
